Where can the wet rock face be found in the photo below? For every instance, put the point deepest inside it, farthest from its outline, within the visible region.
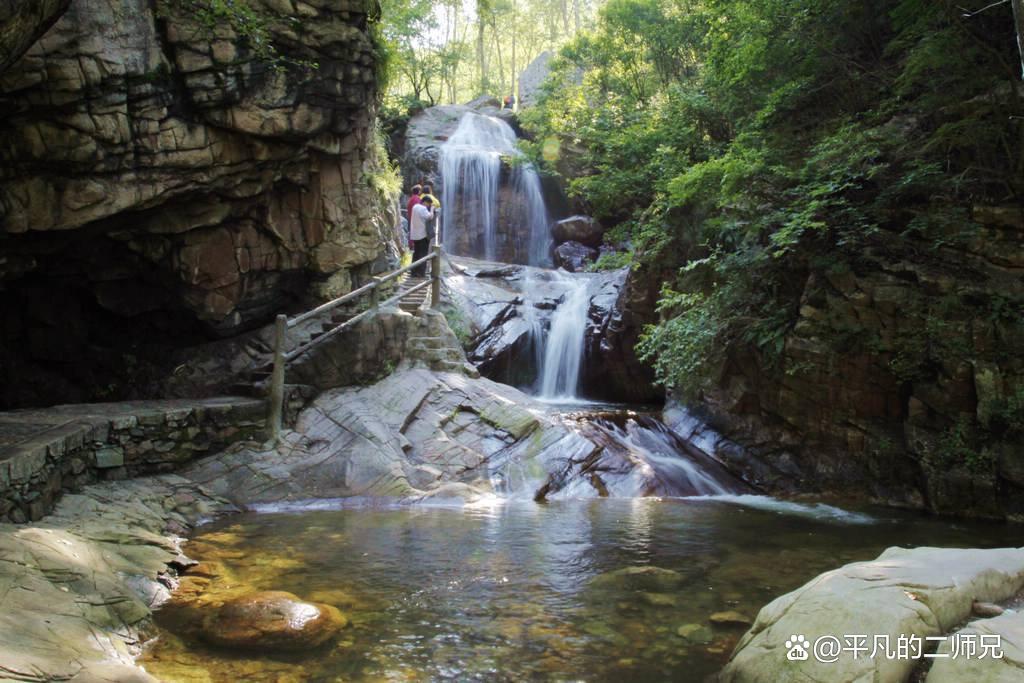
(159, 181)
(425, 135)
(272, 620)
(429, 129)
(582, 229)
(510, 308)
(574, 256)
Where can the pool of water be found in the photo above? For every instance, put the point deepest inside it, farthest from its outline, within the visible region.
(522, 590)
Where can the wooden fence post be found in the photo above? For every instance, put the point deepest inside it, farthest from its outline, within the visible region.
(375, 294)
(435, 274)
(276, 407)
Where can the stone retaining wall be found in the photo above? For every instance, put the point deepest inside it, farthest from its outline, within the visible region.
(46, 452)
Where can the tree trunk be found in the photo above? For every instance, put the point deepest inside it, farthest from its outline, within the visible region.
(512, 71)
(1018, 19)
(481, 65)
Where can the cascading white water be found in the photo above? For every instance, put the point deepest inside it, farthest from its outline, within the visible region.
(563, 350)
(471, 169)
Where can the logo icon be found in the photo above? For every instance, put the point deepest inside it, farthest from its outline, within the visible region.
(797, 647)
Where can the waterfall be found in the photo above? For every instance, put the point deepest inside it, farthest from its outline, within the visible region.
(563, 350)
(516, 228)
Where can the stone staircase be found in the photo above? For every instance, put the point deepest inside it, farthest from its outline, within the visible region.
(414, 302)
(437, 353)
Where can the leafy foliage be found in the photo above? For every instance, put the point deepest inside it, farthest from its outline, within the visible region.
(745, 144)
(245, 20)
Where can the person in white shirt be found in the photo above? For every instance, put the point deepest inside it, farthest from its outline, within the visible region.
(421, 213)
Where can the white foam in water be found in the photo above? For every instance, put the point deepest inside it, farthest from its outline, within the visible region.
(818, 511)
(320, 505)
(563, 348)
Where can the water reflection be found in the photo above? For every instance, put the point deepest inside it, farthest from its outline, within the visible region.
(595, 590)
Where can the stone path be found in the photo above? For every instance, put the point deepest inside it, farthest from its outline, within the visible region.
(46, 451)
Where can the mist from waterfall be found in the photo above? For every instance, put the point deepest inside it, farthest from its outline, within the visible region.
(563, 348)
(471, 168)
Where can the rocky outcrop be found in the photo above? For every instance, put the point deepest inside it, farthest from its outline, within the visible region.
(377, 345)
(582, 229)
(574, 257)
(21, 24)
(419, 434)
(920, 593)
(510, 309)
(899, 379)
(79, 587)
(615, 321)
(162, 181)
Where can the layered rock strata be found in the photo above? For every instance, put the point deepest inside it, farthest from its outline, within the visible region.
(162, 181)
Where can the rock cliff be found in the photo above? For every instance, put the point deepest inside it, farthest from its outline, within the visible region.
(899, 378)
(165, 179)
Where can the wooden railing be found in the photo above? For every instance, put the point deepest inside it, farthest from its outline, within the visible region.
(283, 324)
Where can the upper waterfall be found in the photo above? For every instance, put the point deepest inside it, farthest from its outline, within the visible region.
(491, 193)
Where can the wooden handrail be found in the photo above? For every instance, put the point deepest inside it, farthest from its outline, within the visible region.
(282, 324)
(356, 293)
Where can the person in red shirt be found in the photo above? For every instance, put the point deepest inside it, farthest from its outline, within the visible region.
(414, 199)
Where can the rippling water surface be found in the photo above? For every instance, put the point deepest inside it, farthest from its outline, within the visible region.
(525, 591)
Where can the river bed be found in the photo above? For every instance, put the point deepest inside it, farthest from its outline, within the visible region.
(521, 590)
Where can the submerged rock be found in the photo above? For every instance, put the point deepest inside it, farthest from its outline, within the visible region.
(647, 578)
(273, 620)
(659, 599)
(730, 618)
(695, 633)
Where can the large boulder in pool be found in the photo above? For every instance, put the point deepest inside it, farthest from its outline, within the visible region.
(272, 620)
(920, 592)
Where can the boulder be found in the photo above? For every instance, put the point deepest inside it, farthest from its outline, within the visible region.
(918, 592)
(574, 256)
(582, 229)
(1006, 630)
(272, 620)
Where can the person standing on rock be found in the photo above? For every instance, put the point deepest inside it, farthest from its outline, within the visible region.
(422, 213)
(428, 191)
(414, 199)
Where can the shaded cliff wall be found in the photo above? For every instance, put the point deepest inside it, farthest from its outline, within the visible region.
(900, 378)
(161, 183)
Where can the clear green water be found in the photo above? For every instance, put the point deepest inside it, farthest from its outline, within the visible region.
(523, 591)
